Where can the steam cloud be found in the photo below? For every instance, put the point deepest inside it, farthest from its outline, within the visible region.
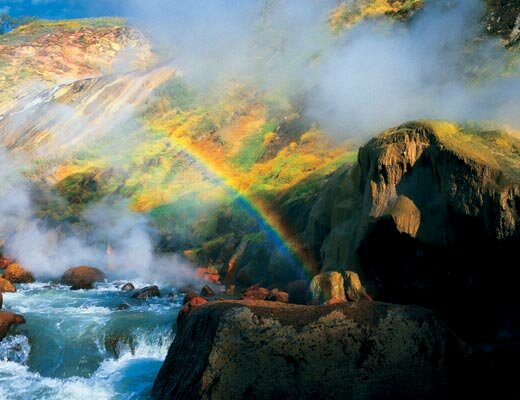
(370, 78)
(367, 79)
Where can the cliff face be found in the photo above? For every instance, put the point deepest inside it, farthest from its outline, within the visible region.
(259, 350)
(429, 216)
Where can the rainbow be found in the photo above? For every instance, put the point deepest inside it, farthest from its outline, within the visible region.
(269, 222)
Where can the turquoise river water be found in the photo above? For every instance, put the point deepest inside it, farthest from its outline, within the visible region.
(79, 345)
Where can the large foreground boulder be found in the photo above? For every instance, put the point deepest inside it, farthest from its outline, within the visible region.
(262, 350)
(7, 319)
(6, 286)
(82, 277)
(15, 273)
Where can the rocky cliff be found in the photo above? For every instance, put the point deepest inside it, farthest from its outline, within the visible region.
(259, 350)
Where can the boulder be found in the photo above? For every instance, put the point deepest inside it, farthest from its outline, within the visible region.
(262, 350)
(354, 290)
(147, 292)
(7, 319)
(6, 286)
(128, 287)
(278, 295)
(5, 262)
(189, 295)
(328, 287)
(207, 291)
(255, 292)
(122, 307)
(82, 277)
(15, 273)
(118, 343)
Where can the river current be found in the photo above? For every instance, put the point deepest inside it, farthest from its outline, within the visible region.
(83, 344)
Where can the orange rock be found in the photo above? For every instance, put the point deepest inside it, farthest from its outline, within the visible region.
(82, 277)
(278, 295)
(8, 319)
(6, 286)
(255, 292)
(15, 273)
(195, 302)
(5, 261)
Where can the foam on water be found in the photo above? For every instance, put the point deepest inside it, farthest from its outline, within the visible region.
(66, 349)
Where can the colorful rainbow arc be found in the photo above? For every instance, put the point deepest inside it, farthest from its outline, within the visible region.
(268, 222)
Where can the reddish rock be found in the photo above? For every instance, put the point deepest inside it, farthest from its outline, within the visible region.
(189, 295)
(15, 273)
(8, 319)
(278, 295)
(255, 292)
(82, 277)
(194, 302)
(207, 291)
(208, 274)
(5, 262)
(6, 286)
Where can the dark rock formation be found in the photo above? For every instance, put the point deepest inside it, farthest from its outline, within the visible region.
(260, 350)
(15, 273)
(146, 292)
(6, 286)
(82, 277)
(207, 291)
(503, 18)
(7, 320)
(128, 287)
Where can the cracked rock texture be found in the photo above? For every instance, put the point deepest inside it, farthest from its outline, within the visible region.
(263, 350)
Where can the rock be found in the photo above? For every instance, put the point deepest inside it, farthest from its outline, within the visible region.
(189, 295)
(5, 262)
(194, 302)
(82, 277)
(207, 291)
(262, 350)
(147, 292)
(15, 273)
(353, 287)
(278, 295)
(328, 287)
(117, 343)
(1, 300)
(128, 287)
(255, 292)
(123, 306)
(8, 319)
(209, 274)
(6, 286)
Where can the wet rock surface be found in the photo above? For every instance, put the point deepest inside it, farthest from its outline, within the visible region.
(146, 292)
(365, 350)
(8, 319)
(6, 286)
(15, 273)
(82, 277)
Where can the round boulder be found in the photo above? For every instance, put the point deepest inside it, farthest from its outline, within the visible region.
(128, 287)
(146, 292)
(6, 286)
(15, 273)
(82, 277)
(7, 319)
